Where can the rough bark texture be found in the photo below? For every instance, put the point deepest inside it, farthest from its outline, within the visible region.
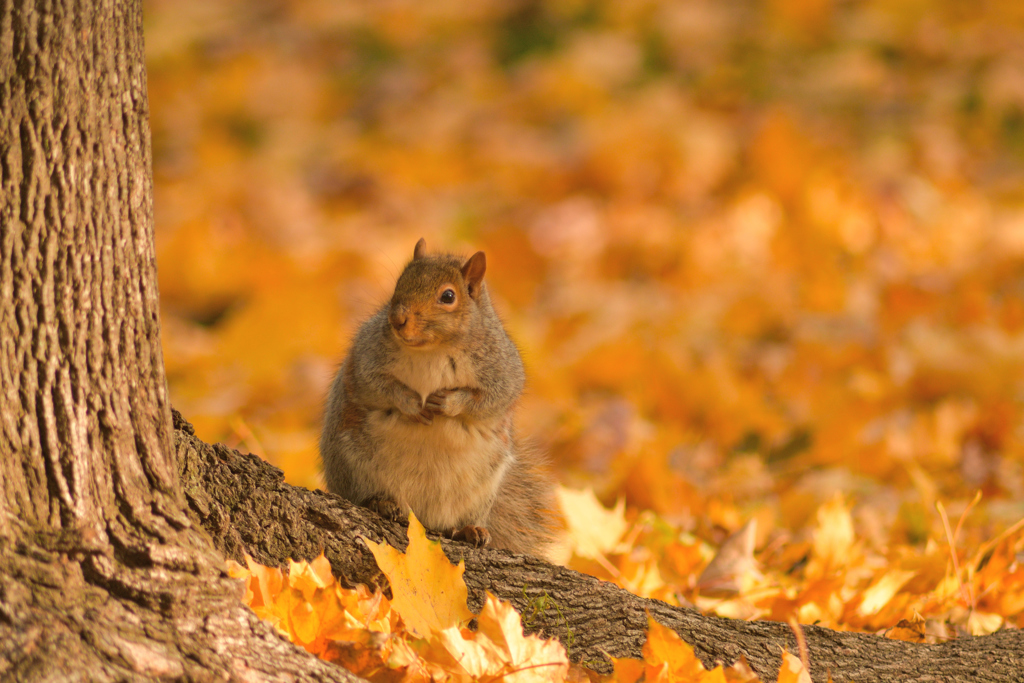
(102, 575)
(245, 506)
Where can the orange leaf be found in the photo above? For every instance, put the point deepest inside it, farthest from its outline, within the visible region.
(910, 630)
(670, 658)
(627, 670)
(304, 620)
(308, 577)
(269, 581)
(793, 670)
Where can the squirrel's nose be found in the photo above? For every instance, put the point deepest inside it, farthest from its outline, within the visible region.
(398, 318)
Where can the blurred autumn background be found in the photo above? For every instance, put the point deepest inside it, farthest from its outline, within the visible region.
(764, 260)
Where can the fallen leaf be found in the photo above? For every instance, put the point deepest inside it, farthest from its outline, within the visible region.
(833, 538)
(532, 658)
(309, 577)
(627, 670)
(792, 670)
(878, 594)
(670, 658)
(269, 581)
(428, 591)
(498, 649)
(983, 623)
(593, 530)
(910, 630)
(733, 569)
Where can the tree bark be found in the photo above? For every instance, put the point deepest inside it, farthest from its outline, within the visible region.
(246, 507)
(102, 575)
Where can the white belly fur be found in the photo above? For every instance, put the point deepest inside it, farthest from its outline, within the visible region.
(445, 472)
(427, 371)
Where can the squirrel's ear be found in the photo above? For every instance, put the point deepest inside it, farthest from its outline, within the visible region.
(421, 249)
(473, 271)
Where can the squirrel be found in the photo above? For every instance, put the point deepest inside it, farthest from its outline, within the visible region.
(420, 414)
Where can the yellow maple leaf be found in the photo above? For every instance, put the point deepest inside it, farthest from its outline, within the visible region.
(592, 529)
(497, 649)
(459, 655)
(793, 670)
(531, 658)
(428, 591)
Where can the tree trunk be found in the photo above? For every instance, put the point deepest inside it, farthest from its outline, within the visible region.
(102, 575)
(246, 506)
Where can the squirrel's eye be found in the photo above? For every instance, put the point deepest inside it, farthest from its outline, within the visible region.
(448, 296)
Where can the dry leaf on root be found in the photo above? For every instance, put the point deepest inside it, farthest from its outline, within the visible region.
(792, 670)
(427, 590)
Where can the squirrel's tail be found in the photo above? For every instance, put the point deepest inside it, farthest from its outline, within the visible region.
(525, 516)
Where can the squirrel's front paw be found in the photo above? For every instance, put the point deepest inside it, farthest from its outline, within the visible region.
(476, 536)
(450, 402)
(387, 508)
(411, 406)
